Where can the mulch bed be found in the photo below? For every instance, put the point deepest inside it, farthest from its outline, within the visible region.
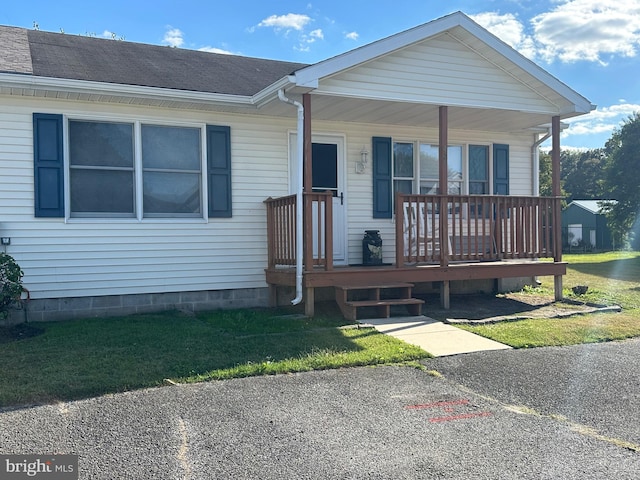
(480, 308)
(19, 332)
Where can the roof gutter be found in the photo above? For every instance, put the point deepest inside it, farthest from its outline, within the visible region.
(119, 90)
(299, 219)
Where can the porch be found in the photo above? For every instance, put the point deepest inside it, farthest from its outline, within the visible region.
(438, 238)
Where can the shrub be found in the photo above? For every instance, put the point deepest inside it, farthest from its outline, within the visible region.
(10, 283)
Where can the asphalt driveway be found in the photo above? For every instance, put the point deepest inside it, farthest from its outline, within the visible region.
(596, 385)
(384, 422)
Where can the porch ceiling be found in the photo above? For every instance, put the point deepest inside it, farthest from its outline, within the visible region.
(345, 109)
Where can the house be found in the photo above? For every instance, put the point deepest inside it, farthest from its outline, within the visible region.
(584, 226)
(135, 177)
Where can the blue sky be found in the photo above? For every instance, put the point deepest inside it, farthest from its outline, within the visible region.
(591, 45)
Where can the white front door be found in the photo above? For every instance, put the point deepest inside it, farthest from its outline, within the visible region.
(327, 174)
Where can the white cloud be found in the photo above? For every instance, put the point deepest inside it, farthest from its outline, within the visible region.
(614, 111)
(173, 37)
(306, 40)
(290, 21)
(573, 30)
(108, 34)
(602, 120)
(317, 34)
(588, 30)
(216, 50)
(293, 22)
(547, 148)
(508, 29)
(352, 35)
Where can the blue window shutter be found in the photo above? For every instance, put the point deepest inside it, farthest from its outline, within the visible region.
(500, 169)
(48, 165)
(382, 181)
(219, 171)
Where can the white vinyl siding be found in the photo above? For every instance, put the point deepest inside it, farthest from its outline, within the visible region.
(440, 71)
(92, 257)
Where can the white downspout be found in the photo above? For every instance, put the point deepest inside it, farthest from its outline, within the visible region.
(535, 157)
(299, 236)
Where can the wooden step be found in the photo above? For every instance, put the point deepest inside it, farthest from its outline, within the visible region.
(349, 306)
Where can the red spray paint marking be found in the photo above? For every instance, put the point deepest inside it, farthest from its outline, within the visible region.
(459, 417)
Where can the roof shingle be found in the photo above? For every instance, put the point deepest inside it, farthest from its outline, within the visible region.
(14, 51)
(94, 59)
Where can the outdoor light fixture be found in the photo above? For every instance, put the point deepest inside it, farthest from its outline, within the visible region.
(361, 164)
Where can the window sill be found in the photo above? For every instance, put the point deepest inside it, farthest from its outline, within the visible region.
(127, 221)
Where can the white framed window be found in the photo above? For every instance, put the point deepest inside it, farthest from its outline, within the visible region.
(135, 169)
(479, 170)
(430, 169)
(417, 169)
(403, 167)
(171, 170)
(101, 169)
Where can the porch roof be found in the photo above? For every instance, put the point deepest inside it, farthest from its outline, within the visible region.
(452, 61)
(35, 63)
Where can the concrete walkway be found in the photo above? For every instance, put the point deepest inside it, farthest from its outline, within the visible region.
(437, 338)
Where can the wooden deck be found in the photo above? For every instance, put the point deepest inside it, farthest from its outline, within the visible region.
(479, 238)
(421, 273)
(415, 274)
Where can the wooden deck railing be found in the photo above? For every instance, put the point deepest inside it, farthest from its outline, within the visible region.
(318, 230)
(475, 227)
(281, 230)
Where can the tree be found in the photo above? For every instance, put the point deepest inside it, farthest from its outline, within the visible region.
(545, 175)
(581, 172)
(546, 180)
(10, 283)
(621, 180)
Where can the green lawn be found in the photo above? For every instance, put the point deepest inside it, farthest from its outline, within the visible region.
(613, 278)
(82, 358)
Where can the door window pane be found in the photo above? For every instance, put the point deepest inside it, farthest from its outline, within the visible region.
(324, 168)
